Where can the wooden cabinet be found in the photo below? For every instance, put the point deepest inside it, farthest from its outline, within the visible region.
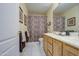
(54, 47)
(69, 50)
(57, 48)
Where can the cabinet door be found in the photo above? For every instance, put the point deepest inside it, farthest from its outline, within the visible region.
(45, 44)
(69, 50)
(49, 53)
(50, 48)
(57, 48)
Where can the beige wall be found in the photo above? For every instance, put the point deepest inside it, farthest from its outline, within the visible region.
(23, 28)
(50, 16)
(73, 12)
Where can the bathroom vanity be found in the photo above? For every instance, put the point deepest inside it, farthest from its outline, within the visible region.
(58, 45)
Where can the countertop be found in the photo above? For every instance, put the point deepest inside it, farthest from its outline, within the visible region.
(71, 40)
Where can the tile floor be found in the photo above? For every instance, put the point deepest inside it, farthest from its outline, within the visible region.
(33, 49)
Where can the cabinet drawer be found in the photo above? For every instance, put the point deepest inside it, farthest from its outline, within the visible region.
(50, 40)
(71, 50)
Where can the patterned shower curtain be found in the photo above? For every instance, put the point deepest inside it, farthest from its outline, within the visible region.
(37, 26)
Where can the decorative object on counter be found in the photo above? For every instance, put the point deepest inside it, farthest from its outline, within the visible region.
(71, 21)
(67, 33)
(49, 23)
(20, 15)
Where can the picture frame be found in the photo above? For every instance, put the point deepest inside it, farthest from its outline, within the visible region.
(20, 15)
(25, 19)
(71, 21)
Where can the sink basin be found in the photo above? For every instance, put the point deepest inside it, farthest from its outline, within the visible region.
(60, 33)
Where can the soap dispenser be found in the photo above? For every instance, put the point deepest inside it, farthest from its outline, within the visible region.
(67, 33)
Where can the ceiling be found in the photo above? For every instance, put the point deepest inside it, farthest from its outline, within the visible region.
(38, 7)
(42, 8)
(62, 7)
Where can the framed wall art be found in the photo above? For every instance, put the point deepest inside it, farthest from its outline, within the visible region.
(20, 15)
(71, 21)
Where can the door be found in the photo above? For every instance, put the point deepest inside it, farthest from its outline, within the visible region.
(9, 42)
